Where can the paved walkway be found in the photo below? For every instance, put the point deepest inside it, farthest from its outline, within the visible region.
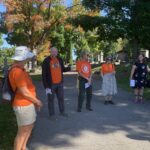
(125, 126)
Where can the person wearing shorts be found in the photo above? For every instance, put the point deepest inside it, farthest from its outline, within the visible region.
(25, 101)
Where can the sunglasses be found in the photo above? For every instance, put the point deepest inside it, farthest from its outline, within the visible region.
(109, 59)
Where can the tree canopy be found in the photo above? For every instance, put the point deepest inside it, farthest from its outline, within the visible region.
(98, 25)
(127, 19)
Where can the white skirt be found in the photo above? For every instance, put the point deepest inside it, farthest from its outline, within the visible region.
(25, 115)
(109, 85)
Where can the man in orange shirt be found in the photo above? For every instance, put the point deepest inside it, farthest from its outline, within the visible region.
(52, 75)
(85, 73)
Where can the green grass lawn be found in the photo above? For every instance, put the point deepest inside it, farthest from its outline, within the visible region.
(123, 75)
(36, 77)
(8, 127)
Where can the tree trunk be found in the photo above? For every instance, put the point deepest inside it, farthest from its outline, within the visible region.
(136, 49)
(71, 58)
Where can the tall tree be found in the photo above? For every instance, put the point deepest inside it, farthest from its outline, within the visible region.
(33, 22)
(126, 18)
(1, 40)
(30, 22)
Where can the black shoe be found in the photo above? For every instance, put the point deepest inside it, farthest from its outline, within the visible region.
(111, 102)
(106, 102)
(90, 109)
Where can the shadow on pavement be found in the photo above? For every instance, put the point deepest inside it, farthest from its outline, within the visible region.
(132, 120)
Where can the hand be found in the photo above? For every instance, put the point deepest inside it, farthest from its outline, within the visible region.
(38, 104)
(48, 91)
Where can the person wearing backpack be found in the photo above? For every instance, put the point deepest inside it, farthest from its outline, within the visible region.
(25, 101)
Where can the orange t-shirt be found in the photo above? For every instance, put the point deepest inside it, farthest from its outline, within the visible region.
(20, 78)
(84, 67)
(107, 68)
(55, 71)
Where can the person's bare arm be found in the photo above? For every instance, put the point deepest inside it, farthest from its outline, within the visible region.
(132, 72)
(148, 69)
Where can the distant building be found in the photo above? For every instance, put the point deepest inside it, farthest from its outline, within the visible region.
(122, 56)
(145, 52)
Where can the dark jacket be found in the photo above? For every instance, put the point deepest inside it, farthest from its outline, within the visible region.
(46, 72)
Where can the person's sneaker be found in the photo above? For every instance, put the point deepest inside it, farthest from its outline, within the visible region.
(90, 109)
(106, 102)
(111, 102)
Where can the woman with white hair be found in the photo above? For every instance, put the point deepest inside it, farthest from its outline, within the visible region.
(25, 99)
(109, 87)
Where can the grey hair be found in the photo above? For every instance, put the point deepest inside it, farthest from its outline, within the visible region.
(83, 52)
(53, 48)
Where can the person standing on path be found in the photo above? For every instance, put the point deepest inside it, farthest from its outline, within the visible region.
(25, 99)
(139, 75)
(52, 75)
(83, 68)
(109, 86)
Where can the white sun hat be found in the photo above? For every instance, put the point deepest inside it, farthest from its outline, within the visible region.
(22, 53)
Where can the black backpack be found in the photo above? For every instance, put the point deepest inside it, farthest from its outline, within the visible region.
(7, 92)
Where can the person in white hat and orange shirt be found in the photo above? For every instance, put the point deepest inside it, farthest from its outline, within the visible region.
(25, 101)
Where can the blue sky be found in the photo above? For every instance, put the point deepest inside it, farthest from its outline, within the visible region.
(5, 44)
(68, 2)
